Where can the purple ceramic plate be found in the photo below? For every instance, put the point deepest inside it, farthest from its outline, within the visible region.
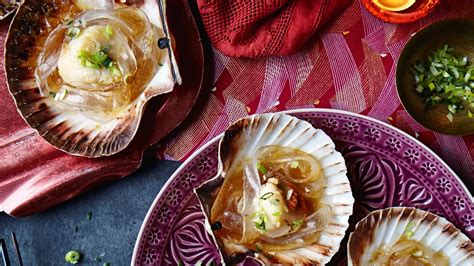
(386, 168)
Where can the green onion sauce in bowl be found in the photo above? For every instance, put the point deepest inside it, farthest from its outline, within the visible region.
(435, 77)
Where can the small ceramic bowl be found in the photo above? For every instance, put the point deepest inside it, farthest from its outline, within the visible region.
(458, 34)
(418, 10)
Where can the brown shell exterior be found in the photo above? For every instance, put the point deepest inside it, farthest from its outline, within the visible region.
(27, 34)
(366, 229)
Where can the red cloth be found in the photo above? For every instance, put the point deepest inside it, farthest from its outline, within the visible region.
(255, 28)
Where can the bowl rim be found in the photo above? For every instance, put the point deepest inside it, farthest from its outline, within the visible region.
(399, 18)
(398, 74)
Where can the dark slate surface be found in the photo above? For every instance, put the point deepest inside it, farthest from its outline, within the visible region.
(117, 208)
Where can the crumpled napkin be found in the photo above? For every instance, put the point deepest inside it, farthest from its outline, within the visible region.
(256, 28)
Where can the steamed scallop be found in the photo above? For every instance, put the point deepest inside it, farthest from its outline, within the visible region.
(281, 194)
(402, 236)
(81, 72)
(74, 71)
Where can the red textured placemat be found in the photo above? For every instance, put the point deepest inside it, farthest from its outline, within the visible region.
(350, 66)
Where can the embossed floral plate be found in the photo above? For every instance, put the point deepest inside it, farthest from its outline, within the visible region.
(386, 168)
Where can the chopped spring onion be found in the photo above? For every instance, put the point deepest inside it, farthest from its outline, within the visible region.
(446, 79)
(296, 224)
(115, 70)
(294, 164)
(72, 257)
(73, 32)
(98, 59)
(108, 31)
(259, 222)
(450, 117)
(409, 229)
(274, 201)
(262, 168)
(276, 214)
(59, 96)
(266, 195)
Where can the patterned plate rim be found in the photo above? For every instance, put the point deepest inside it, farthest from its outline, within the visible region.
(290, 112)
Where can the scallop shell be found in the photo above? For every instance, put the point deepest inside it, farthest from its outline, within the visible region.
(387, 226)
(71, 131)
(245, 137)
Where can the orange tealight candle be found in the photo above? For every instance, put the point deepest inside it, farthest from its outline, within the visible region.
(394, 5)
(400, 11)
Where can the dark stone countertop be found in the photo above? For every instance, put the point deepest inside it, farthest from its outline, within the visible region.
(118, 209)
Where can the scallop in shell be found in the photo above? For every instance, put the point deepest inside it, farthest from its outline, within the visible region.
(281, 194)
(81, 72)
(408, 236)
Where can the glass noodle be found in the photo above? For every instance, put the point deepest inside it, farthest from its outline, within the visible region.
(300, 182)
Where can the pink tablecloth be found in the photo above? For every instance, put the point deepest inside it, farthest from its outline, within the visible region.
(351, 66)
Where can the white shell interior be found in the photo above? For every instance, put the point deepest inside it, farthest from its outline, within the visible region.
(390, 225)
(289, 131)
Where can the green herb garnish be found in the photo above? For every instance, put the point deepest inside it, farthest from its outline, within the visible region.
(296, 224)
(258, 247)
(89, 216)
(266, 195)
(446, 79)
(294, 164)
(98, 59)
(277, 214)
(409, 230)
(262, 168)
(274, 201)
(259, 223)
(60, 95)
(115, 70)
(107, 62)
(73, 32)
(73, 257)
(108, 31)
(106, 264)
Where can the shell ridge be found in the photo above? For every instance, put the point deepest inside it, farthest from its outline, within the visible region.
(246, 135)
(434, 231)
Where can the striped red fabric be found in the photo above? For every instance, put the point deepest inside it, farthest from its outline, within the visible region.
(350, 66)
